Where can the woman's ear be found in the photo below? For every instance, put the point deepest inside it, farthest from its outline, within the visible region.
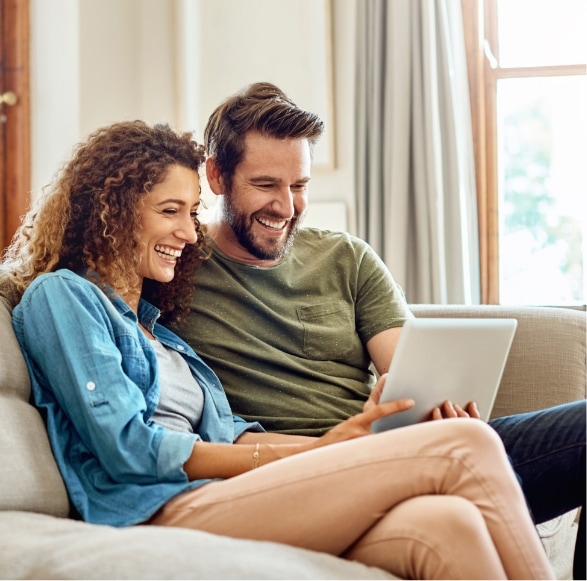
(214, 176)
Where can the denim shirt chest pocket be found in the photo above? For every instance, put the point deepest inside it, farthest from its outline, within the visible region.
(329, 330)
(137, 364)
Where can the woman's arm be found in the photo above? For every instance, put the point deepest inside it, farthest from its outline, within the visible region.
(271, 438)
(68, 330)
(209, 460)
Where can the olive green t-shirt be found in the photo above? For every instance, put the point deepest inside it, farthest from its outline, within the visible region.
(288, 342)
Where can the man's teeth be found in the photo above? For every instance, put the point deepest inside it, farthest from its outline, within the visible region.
(271, 224)
(166, 252)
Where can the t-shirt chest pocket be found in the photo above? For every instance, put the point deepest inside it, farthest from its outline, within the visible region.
(329, 330)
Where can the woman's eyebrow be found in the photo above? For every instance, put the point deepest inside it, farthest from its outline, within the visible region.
(174, 201)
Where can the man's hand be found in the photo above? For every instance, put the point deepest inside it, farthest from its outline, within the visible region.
(452, 410)
(446, 410)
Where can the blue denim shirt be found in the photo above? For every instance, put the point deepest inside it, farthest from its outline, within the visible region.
(95, 377)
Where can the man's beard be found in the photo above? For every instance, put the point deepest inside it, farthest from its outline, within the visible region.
(242, 228)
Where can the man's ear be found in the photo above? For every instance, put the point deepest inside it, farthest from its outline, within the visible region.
(214, 176)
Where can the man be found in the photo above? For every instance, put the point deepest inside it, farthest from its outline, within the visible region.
(291, 320)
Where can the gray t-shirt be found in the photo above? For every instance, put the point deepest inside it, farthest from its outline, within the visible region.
(288, 342)
(181, 399)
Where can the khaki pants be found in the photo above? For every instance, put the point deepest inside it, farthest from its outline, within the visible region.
(431, 501)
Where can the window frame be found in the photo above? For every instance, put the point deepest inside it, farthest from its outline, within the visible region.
(484, 72)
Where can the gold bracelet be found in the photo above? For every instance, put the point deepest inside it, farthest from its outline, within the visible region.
(256, 456)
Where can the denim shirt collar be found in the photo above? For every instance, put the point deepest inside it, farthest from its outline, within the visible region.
(148, 314)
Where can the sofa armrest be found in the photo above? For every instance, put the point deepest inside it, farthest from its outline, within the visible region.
(547, 362)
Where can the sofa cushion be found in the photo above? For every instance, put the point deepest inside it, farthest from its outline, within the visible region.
(30, 478)
(14, 376)
(43, 547)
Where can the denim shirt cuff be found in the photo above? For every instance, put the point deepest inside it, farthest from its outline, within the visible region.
(175, 449)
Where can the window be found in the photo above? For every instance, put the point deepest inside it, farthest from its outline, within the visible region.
(529, 98)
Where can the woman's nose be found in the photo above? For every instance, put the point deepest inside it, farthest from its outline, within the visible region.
(187, 231)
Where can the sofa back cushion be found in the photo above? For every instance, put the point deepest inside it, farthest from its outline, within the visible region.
(546, 365)
(30, 478)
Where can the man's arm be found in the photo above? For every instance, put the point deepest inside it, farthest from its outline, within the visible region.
(381, 348)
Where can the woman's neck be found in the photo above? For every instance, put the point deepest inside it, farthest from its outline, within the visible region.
(132, 298)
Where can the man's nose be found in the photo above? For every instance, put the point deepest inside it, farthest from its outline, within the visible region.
(284, 203)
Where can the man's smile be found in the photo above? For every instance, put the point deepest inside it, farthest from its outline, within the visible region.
(272, 224)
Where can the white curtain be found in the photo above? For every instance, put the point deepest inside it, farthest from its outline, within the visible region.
(415, 185)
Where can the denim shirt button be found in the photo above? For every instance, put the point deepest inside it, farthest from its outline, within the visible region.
(180, 347)
(90, 386)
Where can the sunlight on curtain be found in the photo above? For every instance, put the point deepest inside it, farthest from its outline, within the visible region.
(415, 185)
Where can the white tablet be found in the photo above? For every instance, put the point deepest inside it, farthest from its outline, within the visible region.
(461, 360)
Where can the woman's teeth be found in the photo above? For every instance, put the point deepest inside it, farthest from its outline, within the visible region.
(166, 252)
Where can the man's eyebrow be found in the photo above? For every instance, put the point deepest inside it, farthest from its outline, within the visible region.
(273, 179)
(263, 179)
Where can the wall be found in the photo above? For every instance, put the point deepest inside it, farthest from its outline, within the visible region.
(55, 87)
(94, 62)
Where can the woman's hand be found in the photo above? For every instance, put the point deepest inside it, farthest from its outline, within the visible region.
(452, 410)
(375, 395)
(360, 424)
(214, 460)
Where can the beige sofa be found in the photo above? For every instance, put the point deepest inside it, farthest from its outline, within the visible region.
(38, 540)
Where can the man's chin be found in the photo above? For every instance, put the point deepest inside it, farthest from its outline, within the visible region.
(273, 250)
(268, 253)
(264, 246)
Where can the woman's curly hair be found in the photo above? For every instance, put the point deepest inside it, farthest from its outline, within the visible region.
(88, 220)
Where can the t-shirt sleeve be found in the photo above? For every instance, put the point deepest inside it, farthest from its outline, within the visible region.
(381, 303)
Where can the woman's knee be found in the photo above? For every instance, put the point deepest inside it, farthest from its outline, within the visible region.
(477, 435)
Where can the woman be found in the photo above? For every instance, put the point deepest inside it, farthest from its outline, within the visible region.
(141, 428)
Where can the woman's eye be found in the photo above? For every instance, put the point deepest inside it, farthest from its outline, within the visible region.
(170, 211)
